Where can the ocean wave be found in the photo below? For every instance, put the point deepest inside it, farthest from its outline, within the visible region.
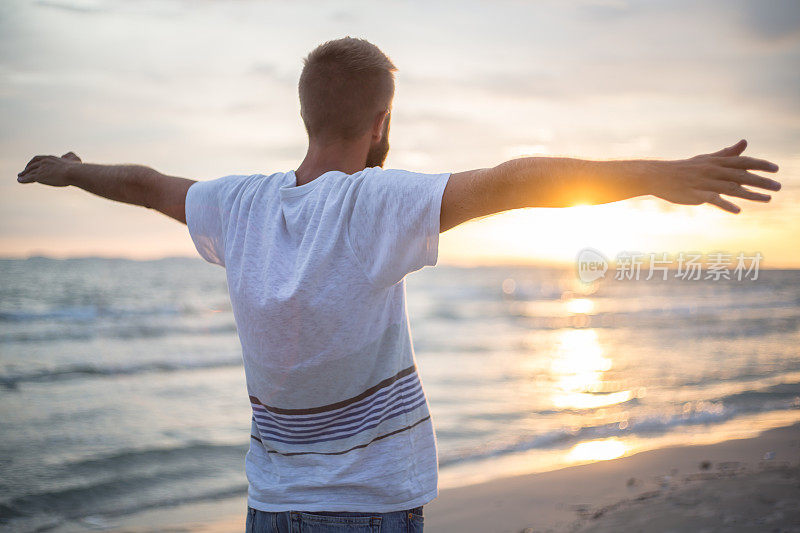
(130, 481)
(778, 397)
(40, 519)
(701, 326)
(666, 307)
(86, 313)
(78, 371)
(115, 331)
(137, 458)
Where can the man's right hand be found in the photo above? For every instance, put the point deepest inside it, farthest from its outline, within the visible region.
(703, 178)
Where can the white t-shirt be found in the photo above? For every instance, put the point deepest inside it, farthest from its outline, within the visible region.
(316, 276)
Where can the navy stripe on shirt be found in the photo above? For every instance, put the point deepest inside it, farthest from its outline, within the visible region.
(392, 397)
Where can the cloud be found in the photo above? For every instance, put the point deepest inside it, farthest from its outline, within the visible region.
(772, 20)
(203, 89)
(79, 7)
(274, 73)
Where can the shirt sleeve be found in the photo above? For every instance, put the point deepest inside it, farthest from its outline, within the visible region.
(208, 212)
(394, 225)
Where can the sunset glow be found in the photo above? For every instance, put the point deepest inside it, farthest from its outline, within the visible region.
(217, 95)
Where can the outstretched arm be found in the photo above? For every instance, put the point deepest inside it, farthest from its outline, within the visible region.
(565, 182)
(130, 184)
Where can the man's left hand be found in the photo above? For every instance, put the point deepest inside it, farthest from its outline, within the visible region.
(49, 169)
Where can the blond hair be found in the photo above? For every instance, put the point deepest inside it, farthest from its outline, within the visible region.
(344, 84)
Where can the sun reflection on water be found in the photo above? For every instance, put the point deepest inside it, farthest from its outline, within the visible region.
(578, 365)
(597, 450)
(582, 306)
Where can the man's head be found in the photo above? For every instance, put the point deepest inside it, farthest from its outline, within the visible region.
(346, 90)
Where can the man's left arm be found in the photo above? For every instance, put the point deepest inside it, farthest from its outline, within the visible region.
(130, 184)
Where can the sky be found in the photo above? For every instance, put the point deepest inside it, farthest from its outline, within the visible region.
(202, 89)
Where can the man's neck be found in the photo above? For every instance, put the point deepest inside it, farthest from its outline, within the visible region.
(346, 156)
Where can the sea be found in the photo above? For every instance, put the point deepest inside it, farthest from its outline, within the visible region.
(122, 387)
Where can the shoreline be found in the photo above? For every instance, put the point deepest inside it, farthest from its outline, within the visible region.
(654, 488)
(585, 497)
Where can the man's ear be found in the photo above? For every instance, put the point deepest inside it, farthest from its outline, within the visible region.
(378, 124)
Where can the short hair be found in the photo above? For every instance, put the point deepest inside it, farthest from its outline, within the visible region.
(344, 83)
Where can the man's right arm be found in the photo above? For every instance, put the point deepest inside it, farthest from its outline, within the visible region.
(566, 182)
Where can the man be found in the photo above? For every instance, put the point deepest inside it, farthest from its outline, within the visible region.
(316, 258)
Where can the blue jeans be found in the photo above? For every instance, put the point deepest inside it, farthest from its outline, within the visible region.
(409, 521)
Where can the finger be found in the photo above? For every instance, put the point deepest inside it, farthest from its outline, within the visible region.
(734, 150)
(28, 178)
(744, 177)
(39, 158)
(71, 156)
(30, 167)
(35, 159)
(731, 188)
(715, 199)
(747, 163)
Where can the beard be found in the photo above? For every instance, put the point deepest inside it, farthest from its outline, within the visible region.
(377, 152)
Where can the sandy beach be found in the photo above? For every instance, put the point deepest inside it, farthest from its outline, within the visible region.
(738, 485)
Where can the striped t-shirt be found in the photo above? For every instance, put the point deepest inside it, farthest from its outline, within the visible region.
(316, 280)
